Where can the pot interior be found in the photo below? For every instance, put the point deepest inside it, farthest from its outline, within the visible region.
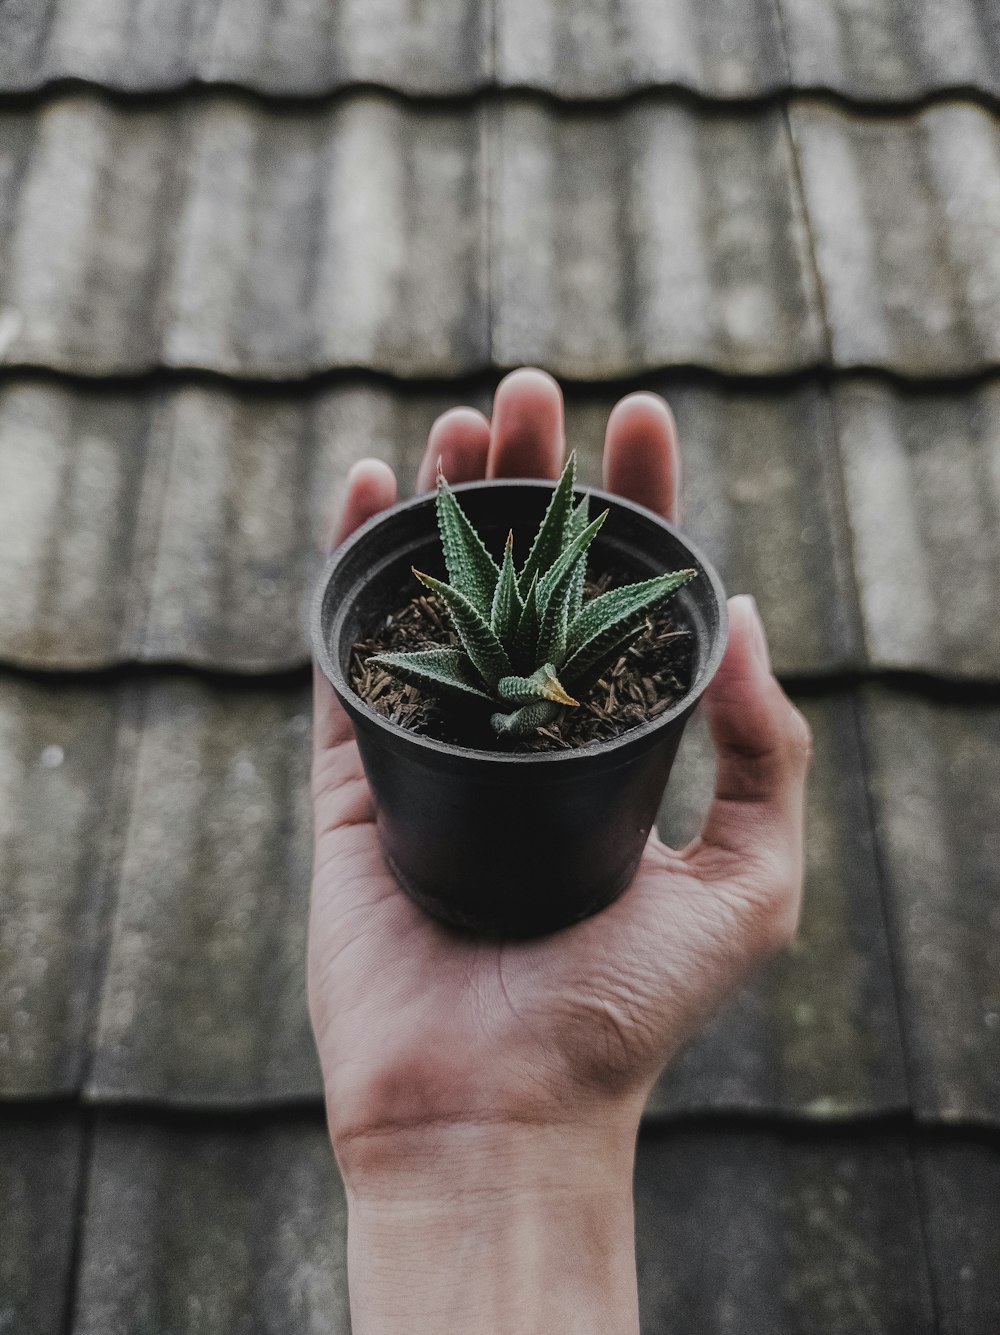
(372, 575)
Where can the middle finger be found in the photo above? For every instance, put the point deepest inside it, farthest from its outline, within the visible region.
(528, 436)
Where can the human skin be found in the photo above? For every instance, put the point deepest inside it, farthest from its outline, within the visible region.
(484, 1097)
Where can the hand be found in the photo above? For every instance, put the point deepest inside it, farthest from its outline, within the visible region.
(448, 1061)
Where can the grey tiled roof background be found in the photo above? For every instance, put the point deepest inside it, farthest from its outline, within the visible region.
(243, 243)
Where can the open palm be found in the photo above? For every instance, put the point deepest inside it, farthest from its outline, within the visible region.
(416, 1023)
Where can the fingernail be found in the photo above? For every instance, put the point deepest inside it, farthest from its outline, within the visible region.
(760, 635)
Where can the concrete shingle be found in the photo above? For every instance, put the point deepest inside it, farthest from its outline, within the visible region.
(888, 50)
(179, 526)
(64, 766)
(960, 1188)
(905, 218)
(203, 998)
(608, 48)
(816, 1032)
(935, 773)
(877, 51)
(234, 1229)
(182, 525)
(271, 243)
(229, 237)
(39, 1186)
(922, 482)
(307, 48)
(647, 236)
(761, 1230)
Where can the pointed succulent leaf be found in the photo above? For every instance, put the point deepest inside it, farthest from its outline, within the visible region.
(562, 570)
(471, 569)
(579, 580)
(607, 622)
(488, 655)
(526, 719)
(507, 604)
(563, 605)
(552, 533)
(436, 670)
(526, 635)
(578, 520)
(543, 684)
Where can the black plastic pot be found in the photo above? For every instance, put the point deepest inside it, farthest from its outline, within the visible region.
(511, 845)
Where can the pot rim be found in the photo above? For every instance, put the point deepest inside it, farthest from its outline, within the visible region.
(331, 669)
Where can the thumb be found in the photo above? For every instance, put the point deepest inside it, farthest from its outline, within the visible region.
(371, 487)
(753, 833)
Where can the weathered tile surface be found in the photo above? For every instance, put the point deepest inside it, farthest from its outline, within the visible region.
(922, 481)
(890, 50)
(648, 235)
(257, 242)
(220, 234)
(606, 48)
(935, 772)
(204, 994)
(63, 786)
(905, 216)
(885, 50)
(179, 526)
(960, 1181)
(39, 1182)
(182, 525)
(758, 1231)
(237, 1229)
(761, 497)
(437, 47)
(816, 1033)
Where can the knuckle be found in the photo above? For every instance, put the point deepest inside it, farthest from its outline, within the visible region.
(798, 738)
(771, 905)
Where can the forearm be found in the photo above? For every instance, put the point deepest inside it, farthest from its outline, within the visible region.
(489, 1229)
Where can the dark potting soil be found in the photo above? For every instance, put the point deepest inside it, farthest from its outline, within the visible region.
(652, 673)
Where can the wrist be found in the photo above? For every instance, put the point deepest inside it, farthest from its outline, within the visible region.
(455, 1160)
(493, 1227)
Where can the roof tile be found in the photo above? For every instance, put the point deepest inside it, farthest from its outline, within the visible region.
(204, 995)
(648, 235)
(222, 235)
(213, 1229)
(905, 214)
(960, 1188)
(816, 1031)
(935, 775)
(606, 48)
(886, 50)
(766, 1230)
(180, 526)
(266, 243)
(922, 480)
(267, 45)
(63, 774)
(761, 497)
(39, 1186)
(241, 1227)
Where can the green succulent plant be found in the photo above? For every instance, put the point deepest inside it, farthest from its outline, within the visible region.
(527, 635)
